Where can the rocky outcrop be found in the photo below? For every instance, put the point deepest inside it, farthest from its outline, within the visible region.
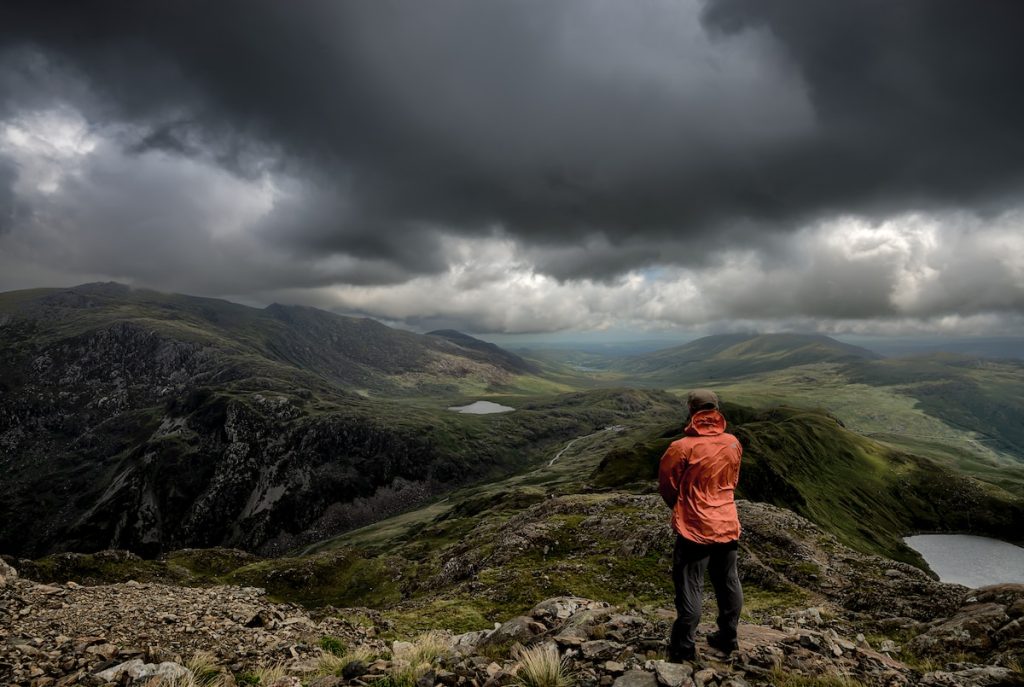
(64, 634)
(989, 623)
(135, 634)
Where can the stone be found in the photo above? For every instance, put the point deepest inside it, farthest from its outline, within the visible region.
(600, 649)
(614, 667)
(328, 681)
(734, 681)
(105, 651)
(519, 629)
(467, 642)
(447, 678)
(132, 668)
(561, 607)
(47, 589)
(170, 671)
(672, 674)
(704, 677)
(636, 678)
(354, 669)
(7, 573)
(136, 670)
(286, 681)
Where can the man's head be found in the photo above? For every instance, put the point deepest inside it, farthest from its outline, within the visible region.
(702, 399)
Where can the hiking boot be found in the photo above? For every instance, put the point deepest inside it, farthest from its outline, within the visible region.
(688, 653)
(727, 645)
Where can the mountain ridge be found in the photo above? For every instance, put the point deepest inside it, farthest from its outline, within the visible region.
(734, 355)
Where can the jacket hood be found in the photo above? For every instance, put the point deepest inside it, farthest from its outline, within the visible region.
(705, 423)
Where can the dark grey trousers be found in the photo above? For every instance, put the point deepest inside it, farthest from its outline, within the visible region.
(690, 560)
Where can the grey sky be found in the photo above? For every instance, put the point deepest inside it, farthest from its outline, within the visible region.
(527, 166)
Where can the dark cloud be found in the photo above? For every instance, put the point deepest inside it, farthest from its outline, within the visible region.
(558, 122)
(594, 136)
(916, 101)
(553, 122)
(8, 199)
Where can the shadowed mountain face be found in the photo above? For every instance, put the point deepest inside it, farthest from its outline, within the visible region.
(145, 421)
(734, 355)
(489, 351)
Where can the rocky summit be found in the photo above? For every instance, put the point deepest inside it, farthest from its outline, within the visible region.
(861, 620)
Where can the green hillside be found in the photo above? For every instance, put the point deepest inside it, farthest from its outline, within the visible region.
(866, 493)
(726, 356)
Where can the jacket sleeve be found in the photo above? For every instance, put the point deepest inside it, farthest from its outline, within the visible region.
(671, 467)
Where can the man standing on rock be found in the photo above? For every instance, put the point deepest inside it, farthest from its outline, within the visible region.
(697, 476)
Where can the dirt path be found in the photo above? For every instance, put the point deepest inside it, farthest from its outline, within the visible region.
(612, 428)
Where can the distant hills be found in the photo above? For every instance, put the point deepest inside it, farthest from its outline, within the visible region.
(734, 355)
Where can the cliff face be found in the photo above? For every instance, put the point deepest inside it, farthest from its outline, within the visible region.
(151, 422)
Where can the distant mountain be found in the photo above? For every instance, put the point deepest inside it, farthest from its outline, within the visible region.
(143, 420)
(733, 355)
(485, 350)
(991, 347)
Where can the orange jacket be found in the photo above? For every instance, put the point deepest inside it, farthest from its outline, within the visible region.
(697, 477)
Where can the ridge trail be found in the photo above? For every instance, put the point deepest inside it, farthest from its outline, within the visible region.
(611, 428)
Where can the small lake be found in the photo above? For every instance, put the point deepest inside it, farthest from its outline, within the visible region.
(969, 560)
(482, 408)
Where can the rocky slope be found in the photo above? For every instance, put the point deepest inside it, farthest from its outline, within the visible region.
(842, 618)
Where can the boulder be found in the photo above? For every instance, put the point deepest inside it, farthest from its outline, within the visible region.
(636, 678)
(519, 629)
(673, 674)
(971, 630)
(7, 573)
(137, 670)
(561, 608)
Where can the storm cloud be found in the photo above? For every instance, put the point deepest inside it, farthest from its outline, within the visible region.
(358, 154)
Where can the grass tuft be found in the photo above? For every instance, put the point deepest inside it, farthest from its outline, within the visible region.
(262, 676)
(333, 645)
(541, 666)
(334, 664)
(782, 678)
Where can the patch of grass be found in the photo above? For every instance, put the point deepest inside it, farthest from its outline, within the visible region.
(759, 603)
(333, 645)
(205, 671)
(456, 615)
(262, 676)
(414, 659)
(426, 648)
(783, 678)
(541, 666)
(334, 664)
(340, 578)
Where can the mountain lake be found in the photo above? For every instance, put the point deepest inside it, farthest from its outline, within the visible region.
(482, 408)
(969, 560)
